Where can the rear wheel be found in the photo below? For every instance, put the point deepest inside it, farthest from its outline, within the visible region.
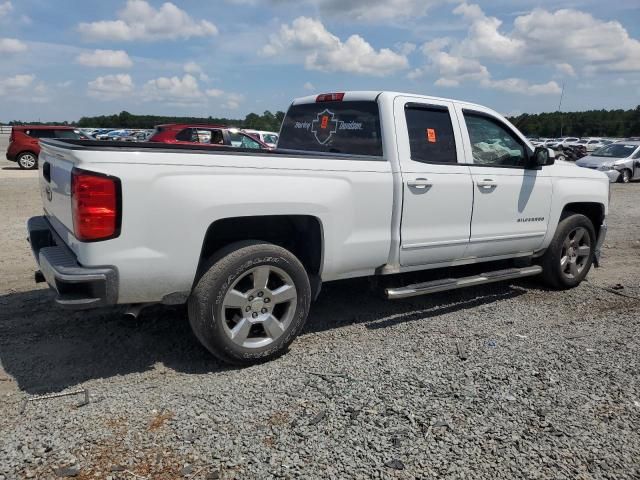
(27, 161)
(251, 302)
(570, 255)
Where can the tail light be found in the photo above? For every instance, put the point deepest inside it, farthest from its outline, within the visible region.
(11, 136)
(330, 97)
(96, 204)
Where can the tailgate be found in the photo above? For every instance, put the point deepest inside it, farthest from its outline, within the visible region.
(55, 166)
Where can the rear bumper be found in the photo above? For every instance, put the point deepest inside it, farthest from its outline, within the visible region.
(77, 287)
(11, 156)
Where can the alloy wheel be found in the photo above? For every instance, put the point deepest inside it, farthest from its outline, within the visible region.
(259, 307)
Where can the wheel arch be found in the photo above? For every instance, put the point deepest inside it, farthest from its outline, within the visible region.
(302, 235)
(594, 211)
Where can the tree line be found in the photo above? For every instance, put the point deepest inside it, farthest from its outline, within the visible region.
(591, 123)
(267, 121)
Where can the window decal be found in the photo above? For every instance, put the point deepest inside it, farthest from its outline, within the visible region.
(324, 126)
(431, 135)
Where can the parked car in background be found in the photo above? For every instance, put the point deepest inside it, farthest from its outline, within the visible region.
(558, 142)
(591, 144)
(620, 161)
(24, 145)
(213, 135)
(270, 138)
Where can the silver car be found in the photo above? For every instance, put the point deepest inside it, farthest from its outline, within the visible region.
(620, 161)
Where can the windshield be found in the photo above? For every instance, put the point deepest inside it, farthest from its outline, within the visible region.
(615, 150)
(333, 127)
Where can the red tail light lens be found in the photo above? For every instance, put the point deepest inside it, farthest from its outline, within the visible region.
(96, 206)
(330, 97)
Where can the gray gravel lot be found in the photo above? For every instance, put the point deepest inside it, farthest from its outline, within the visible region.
(550, 387)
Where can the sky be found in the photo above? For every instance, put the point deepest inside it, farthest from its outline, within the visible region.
(63, 59)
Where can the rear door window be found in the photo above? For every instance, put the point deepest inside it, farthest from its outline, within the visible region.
(351, 127)
(431, 137)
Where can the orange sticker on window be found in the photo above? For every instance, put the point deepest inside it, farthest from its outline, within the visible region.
(431, 135)
(325, 121)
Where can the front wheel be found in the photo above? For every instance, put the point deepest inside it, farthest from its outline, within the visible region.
(251, 302)
(625, 176)
(27, 161)
(570, 255)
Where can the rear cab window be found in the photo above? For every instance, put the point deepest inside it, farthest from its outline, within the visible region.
(341, 127)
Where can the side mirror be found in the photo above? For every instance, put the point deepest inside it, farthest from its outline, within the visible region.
(542, 156)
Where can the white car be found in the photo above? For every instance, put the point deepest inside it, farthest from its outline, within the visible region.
(362, 184)
(592, 144)
(270, 138)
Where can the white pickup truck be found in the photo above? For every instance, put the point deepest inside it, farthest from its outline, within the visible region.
(362, 184)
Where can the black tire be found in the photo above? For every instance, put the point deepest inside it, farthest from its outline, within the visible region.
(27, 161)
(625, 176)
(209, 318)
(553, 273)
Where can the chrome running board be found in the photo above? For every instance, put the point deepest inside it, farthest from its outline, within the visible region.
(455, 283)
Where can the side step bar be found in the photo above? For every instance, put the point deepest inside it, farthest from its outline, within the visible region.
(455, 283)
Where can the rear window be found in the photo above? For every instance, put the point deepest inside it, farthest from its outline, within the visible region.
(66, 134)
(333, 127)
(40, 133)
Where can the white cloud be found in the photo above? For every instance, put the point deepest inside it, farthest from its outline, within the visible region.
(321, 50)
(406, 48)
(214, 92)
(108, 87)
(567, 37)
(372, 11)
(195, 69)
(16, 83)
(565, 69)
(105, 58)
(140, 21)
(173, 88)
(12, 45)
(185, 90)
(518, 85)
(232, 101)
(5, 8)
(309, 86)
(453, 70)
(376, 10)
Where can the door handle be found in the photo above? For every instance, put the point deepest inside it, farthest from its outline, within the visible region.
(419, 183)
(487, 183)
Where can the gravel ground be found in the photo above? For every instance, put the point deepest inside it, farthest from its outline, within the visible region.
(505, 381)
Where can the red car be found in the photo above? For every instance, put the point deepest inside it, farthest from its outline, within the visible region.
(24, 147)
(213, 135)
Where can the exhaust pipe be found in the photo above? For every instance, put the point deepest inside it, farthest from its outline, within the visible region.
(133, 311)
